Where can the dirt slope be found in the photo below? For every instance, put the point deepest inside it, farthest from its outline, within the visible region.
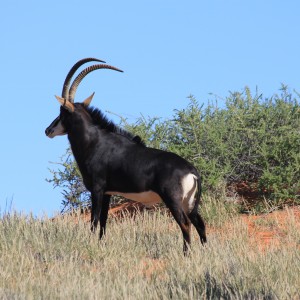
(264, 230)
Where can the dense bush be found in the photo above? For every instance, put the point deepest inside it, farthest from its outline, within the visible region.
(245, 139)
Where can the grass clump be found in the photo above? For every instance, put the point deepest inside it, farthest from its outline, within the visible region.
(141, 257)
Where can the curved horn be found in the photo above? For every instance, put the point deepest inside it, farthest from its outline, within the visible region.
(82, 74)
(65, 90)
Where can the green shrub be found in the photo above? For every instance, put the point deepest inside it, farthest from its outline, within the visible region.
(68, 178)
(248, 139)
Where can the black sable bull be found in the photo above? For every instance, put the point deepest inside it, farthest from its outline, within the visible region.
(112, 161)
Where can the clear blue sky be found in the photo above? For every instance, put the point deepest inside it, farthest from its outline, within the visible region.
(167, 49)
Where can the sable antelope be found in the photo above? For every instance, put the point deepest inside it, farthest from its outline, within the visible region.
(113, 161)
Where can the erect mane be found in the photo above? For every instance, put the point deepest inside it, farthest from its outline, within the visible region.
(103, 122)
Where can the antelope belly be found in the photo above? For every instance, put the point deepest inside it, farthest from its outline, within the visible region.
(147, 198)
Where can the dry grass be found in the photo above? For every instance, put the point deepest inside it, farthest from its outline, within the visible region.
(141, 258)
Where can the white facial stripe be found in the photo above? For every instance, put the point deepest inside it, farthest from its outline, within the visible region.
(56, 128)
(59, 129)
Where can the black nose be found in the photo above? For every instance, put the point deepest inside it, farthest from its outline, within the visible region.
(47, 131)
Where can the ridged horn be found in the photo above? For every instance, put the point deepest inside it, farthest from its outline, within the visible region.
(65, 90)
(82, 74)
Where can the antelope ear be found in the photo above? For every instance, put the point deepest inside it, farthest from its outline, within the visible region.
(88, 100)
(66, 104)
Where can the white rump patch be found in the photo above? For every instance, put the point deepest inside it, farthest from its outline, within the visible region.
(148, 198)
(189, 188)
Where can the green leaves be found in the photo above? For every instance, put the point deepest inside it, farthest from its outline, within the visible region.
(248, 139)
(68, 178)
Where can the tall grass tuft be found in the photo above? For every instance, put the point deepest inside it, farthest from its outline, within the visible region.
(141, 258)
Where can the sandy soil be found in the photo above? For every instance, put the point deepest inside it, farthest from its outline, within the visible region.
(264, 230)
